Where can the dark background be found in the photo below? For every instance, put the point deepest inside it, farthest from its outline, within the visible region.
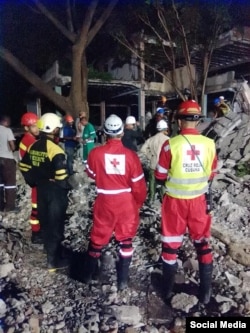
(32, 49)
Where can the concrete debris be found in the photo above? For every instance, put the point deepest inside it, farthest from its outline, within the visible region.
(184, 302)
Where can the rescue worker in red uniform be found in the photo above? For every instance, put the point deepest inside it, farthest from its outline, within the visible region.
(28, 121)
(186, 164)
(121, 191)
(44, 166)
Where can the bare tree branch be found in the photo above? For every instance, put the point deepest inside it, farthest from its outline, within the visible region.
(103, 18)
(69, 35)
(186, 51)
(125, 43)
(69, 17)
(209, 53)
(36, 81)
(83, 36)
(161, 39)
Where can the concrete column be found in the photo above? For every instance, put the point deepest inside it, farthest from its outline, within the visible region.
(204, 106)
(103, 112)
(141, 107)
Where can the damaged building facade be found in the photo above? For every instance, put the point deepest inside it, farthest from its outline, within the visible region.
(133, 92)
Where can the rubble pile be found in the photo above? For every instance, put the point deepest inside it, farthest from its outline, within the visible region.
(34, 300)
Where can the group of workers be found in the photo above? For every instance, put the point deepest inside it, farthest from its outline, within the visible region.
(183, 165)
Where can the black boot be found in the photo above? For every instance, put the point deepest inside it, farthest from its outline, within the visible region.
(90, 268)
(205, 289)
(54, 258)
(169, 272)
(54, 263)
(122, 268)
(1, 199)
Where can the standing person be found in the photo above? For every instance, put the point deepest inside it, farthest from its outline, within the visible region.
(79, 133)
(186, 164)
(7, 166)
(44, 166)
(132, 134)
(221, 108)
(121, 191)
(151, 129)
(70, 142)
(151, 148)
(88, 137)
(29, 123)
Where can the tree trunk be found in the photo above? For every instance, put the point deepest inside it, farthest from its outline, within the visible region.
(61, 102)
(76, 80)
(85, 105)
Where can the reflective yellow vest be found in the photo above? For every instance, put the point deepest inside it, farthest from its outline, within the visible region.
(190, 167)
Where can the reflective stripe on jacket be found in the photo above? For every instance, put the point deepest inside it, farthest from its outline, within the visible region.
(191, 166)
(117, 170)
(44, 161)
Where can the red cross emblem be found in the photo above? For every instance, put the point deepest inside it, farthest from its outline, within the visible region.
(193, 152)
(114, 162)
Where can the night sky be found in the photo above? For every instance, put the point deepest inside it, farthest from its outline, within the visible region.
(14, 34)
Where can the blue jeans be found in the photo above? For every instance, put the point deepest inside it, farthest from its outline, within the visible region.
(70, 152)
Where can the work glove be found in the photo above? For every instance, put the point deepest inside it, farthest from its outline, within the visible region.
(209, 199)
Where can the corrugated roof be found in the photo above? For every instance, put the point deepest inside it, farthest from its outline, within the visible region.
(232, 49)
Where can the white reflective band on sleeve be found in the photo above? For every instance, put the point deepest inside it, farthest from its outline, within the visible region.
(161, 169)
(9, 187)
(137, 178)
(90, 171)
(126, 254)
(101, 190)
(172, 239)
(166, 148)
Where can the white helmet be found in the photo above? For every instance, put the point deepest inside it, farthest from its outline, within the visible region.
(130, 120)
(162, 125)
(48, 122)
(160, 110)
(113, 125)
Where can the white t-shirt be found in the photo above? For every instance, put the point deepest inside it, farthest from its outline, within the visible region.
(79, 128)
(6, 135)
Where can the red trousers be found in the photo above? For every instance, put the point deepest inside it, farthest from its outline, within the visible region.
(180, 216)
(34, 222)
(118, 215)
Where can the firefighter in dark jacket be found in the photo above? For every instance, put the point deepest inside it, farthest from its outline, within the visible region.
(44, 166)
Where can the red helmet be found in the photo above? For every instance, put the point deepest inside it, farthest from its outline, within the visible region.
(29, 118)
(69, 118)
(189, 110)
